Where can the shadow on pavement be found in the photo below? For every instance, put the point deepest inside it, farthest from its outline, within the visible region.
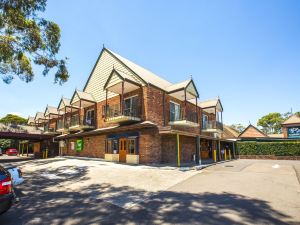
(43, 201)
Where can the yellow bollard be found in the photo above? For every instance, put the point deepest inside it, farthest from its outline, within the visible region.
(46, 153)
(215, 155)
(229, 153)
(225, 155)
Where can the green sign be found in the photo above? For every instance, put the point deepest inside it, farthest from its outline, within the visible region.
(79, 145)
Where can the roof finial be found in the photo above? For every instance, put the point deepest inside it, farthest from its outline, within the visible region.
(103, 45)
(191, 76)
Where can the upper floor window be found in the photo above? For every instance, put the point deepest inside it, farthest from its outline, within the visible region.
(90, 117)
(131, 106)
(204, 121)
(174, 111)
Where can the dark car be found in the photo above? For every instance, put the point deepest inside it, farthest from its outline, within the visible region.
(11, 151)
(7, 196)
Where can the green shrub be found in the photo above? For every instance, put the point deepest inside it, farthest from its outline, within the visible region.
(269, 148)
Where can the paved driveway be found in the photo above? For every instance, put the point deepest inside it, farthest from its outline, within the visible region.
(67, 191)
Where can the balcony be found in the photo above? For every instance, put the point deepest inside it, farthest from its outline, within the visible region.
(114, 115)
(76, 125)
(60, 126)
(212, 126)
(49, 130)
(190, 120)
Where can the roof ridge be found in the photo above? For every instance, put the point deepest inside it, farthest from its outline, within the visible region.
(145, 75)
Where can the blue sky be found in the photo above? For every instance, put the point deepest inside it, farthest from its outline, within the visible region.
(246, 52)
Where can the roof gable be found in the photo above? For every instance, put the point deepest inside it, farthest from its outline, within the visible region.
(294, 119)
(145, 75)
(252, 132)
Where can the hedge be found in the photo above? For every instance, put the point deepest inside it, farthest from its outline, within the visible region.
(269, 148)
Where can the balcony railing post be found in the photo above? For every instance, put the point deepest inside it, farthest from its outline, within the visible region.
(106, 103)
(122, 99)
(79, 113)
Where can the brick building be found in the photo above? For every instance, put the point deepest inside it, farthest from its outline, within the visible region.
(126, 113)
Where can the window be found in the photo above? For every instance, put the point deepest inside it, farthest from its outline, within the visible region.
(131, 106)
(174, 111)
(204, 121)
(90, 117)
(111, 146)
(132, 146)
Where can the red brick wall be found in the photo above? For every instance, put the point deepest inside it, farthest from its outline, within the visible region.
(150, 146)
(169, 151)
(93, 146)
(284, 131)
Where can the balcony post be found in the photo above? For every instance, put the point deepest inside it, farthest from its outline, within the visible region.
(71, 116)
(95, 117)
(48, 122)
(122, 99)
(64, 119)
(185, 117)
(79, 113)
(164, 108)
(106, 103)
(222, 119)
(197, 110)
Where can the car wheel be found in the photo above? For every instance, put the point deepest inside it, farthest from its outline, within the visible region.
(7, 208)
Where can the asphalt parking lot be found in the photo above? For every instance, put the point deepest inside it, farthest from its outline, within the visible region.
(70, 191)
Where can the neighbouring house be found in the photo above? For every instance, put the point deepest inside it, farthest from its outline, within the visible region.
(290, 132)
(128, 114)
(291, 127)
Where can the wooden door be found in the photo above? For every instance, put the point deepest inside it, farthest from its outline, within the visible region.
(122, 149)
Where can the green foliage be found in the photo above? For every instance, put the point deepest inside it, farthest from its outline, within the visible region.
(25, 38)
(298, 114)
(271, 123)
(286, 148)
(13, 119)
(5, 143)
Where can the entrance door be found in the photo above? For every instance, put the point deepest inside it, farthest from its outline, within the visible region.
(122, 149)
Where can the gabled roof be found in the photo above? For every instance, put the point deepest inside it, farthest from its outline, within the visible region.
(187, 84)
(252, 132)
(64, 102)
(294, 119)
(145, 75)
(229, 132)
(50, 110)
(38, 116)
(83, 96)
(120, 74)
(210, 103)
(30, 120)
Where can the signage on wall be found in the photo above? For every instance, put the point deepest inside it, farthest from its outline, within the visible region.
(293, 132)
(79, 145)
